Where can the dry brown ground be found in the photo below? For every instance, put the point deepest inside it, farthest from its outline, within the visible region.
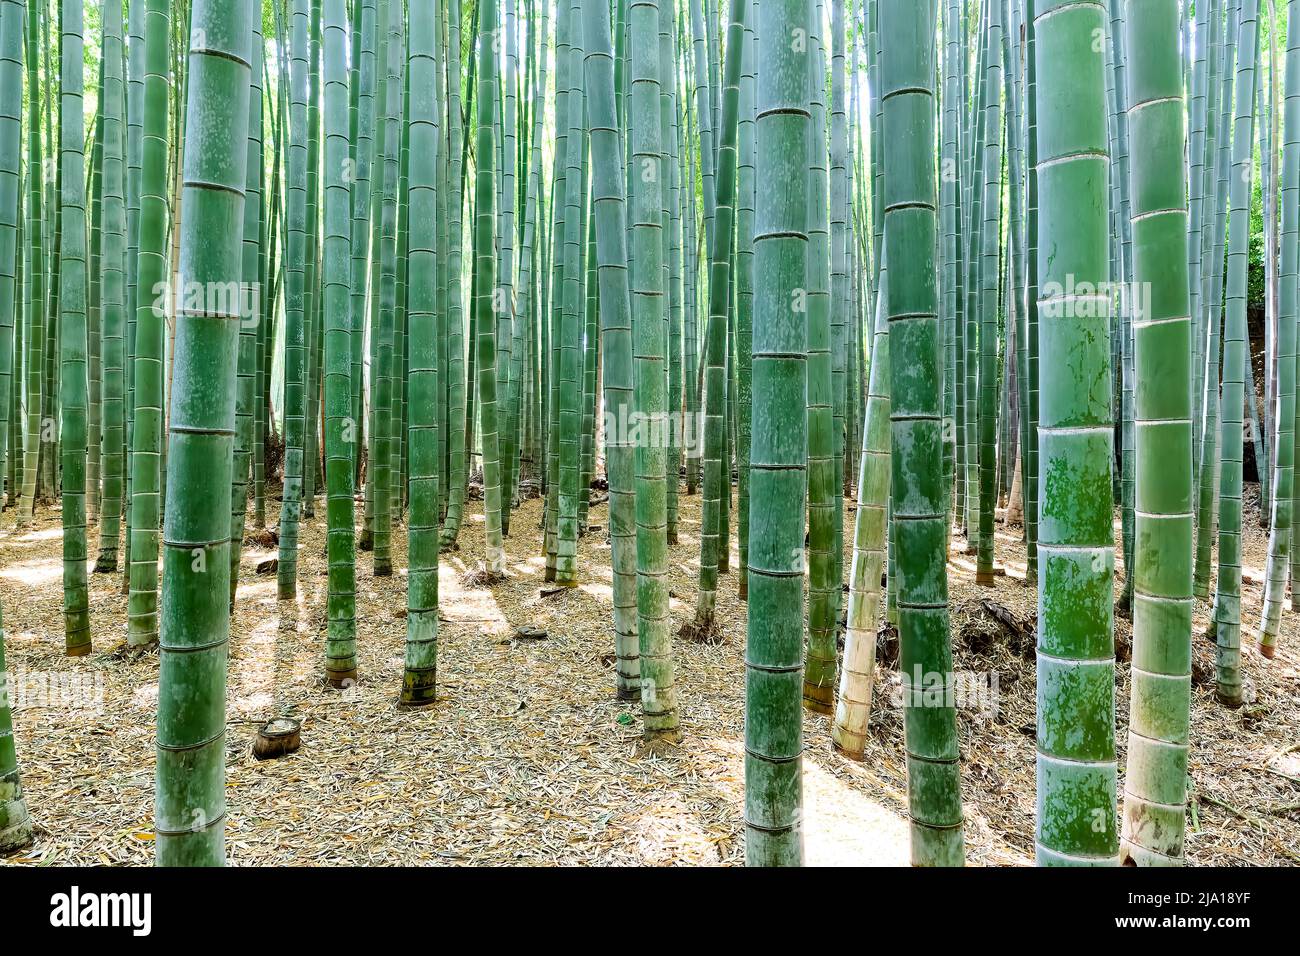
(528, 759)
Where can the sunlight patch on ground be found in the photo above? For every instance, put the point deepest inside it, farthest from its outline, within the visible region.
(669, 832)
(476, 606)
(258, 587)
(601, 592)
(844, 827)
(34, 573)
(252, 690)
(146, 696)
(52, 533)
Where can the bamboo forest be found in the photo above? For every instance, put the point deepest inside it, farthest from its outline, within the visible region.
(649, 432)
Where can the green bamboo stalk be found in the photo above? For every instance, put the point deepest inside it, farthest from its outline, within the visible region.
(609, 210)
(190, 809)
(1076, 767)
(424, 64)
(1032, 485)
(972, 260)
(672, 239)
(646, 283)
(311, 267)
(15, 823)
(569, 368)
(508, 317)
(1196, 159)
(150, 322)
(266, 295)
(717, 466)
(823, 588)
(340, 640)
(50, 421)
(134, 154)
(250, 317)
(72, 330)
(94, 308)
(457, 453)
(113, 296)
(745, 199)
(361, 199)
(442, 298)
(950, 217)
(485, 283)
(1227, 600)
(990, 274)
(400, 366)
(916, 414)
(1207, 493)
(704, 118)
(295, 341)
(1280, 546)
(553, 313)
(956, 182)
(531, 278)
(839, 304)
(1155, 784)
(778, 463)
(11, 120)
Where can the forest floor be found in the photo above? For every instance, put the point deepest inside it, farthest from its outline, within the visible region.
(527, 758)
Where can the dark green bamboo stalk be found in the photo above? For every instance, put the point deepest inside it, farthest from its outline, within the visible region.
(365, 70)
(72, 330)
(295, 342)
(1227, 600)
(745, 198)
(424, 64)
(15, 824)
(134, 154)
(250, 316)
(916, 420)
(1196, 159)
(717, 466)
(113, 295)
(508, 317)
(94, 307)
(839, 302)
(609, 210)
(990, 274)
(823, 588)
(11, 120)
(150, 322)
(778, 463)
(35, 296)
(1032, 485)
(341, 627)
(457, 453)
(570, 339)
(311, 267)
(704, 118)
(658, 693)
(553, 313)
(485, 282)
